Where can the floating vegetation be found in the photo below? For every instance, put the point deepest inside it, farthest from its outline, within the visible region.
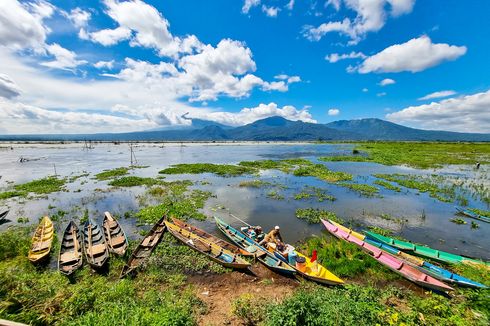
(475, 225)
(275, 195)
(23, 220)
(314, 215)
(362, 189)
(382, 231)
(40, 187)
(420, 155)
(458, 220)
(321, 172)
(224, 170)
(76, 177)
(387, 185)
(254, 183)
(433, 185)
(388, 217)
(110, 174)
(314, 192)
(134, 181)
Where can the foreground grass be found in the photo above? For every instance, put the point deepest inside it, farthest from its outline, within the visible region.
(420, 155)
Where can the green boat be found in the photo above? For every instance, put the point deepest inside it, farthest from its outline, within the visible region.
(423, 251)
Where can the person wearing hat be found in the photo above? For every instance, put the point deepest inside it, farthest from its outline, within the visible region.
(274, 236)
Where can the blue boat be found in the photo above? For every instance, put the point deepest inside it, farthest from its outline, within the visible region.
(263, 256)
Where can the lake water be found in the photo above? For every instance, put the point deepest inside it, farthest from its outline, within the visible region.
(425, 219)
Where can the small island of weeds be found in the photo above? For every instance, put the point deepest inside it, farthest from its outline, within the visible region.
(418, 154)
(314, 215)
(225, 170)
(39, 187)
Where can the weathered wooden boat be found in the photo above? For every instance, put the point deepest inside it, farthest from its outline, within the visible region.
(426, 267)
(395, 264)
(94, 245)
(212, 250)
(145, 248)
(263, 256)
(423, 251)
(472, 214)
(114, 235)
(3, 215)
(203, 234)
(41, 240)
(70, 257)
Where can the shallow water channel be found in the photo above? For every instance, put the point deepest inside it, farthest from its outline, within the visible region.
(424, 219)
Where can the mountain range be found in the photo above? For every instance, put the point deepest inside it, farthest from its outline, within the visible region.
(273, 129)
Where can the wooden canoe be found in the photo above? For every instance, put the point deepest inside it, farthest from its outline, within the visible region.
(3, 215)
(145, 248)
(395, 264)
(203, 234)
(114, 235)
(423, 251)
(41, 240)
(426, 267)
(214, 252)
(94, 245)
(263, 256)
(472, 214)
(70, 257)
(314, 272)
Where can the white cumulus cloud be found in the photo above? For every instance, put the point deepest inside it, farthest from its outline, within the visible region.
(270, 11)
(8, 88)
(469, 113)
(439, 94)
(249, 4)
(387, 81)
(63, 58)
(415, 55)
(333, 112)
(262, 111)
(106, 37)
(334, 57)
(78, 16)
(104, 64)
(371, 16)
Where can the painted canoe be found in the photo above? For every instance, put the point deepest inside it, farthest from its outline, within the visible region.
(70, 257)
(215, 252)
(423, 251)
(145, 248)
(203, 234)
(395, 264)
(314, 272)
(426, 267)
(263, 256)
(3, 215)
(94, 245)
(471, 214)
(114, 235)
(41, 240)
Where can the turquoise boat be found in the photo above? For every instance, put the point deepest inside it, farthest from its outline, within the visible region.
(469, 213)
(437, 255)
(431, 269)
(263, 256)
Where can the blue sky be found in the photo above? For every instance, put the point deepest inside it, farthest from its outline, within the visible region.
(109, 65)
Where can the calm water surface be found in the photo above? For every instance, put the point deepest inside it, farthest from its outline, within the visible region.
(425, 220)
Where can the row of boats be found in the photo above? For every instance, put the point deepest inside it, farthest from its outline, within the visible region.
(93, 242)
(400, 256)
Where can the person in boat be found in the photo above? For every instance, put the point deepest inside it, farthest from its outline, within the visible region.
(274, 236)
(254, 232)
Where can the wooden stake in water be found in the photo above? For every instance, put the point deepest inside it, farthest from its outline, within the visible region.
(55, 174)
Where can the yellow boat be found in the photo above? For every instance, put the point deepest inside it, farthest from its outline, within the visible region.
(317, 273)
(41, 240)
